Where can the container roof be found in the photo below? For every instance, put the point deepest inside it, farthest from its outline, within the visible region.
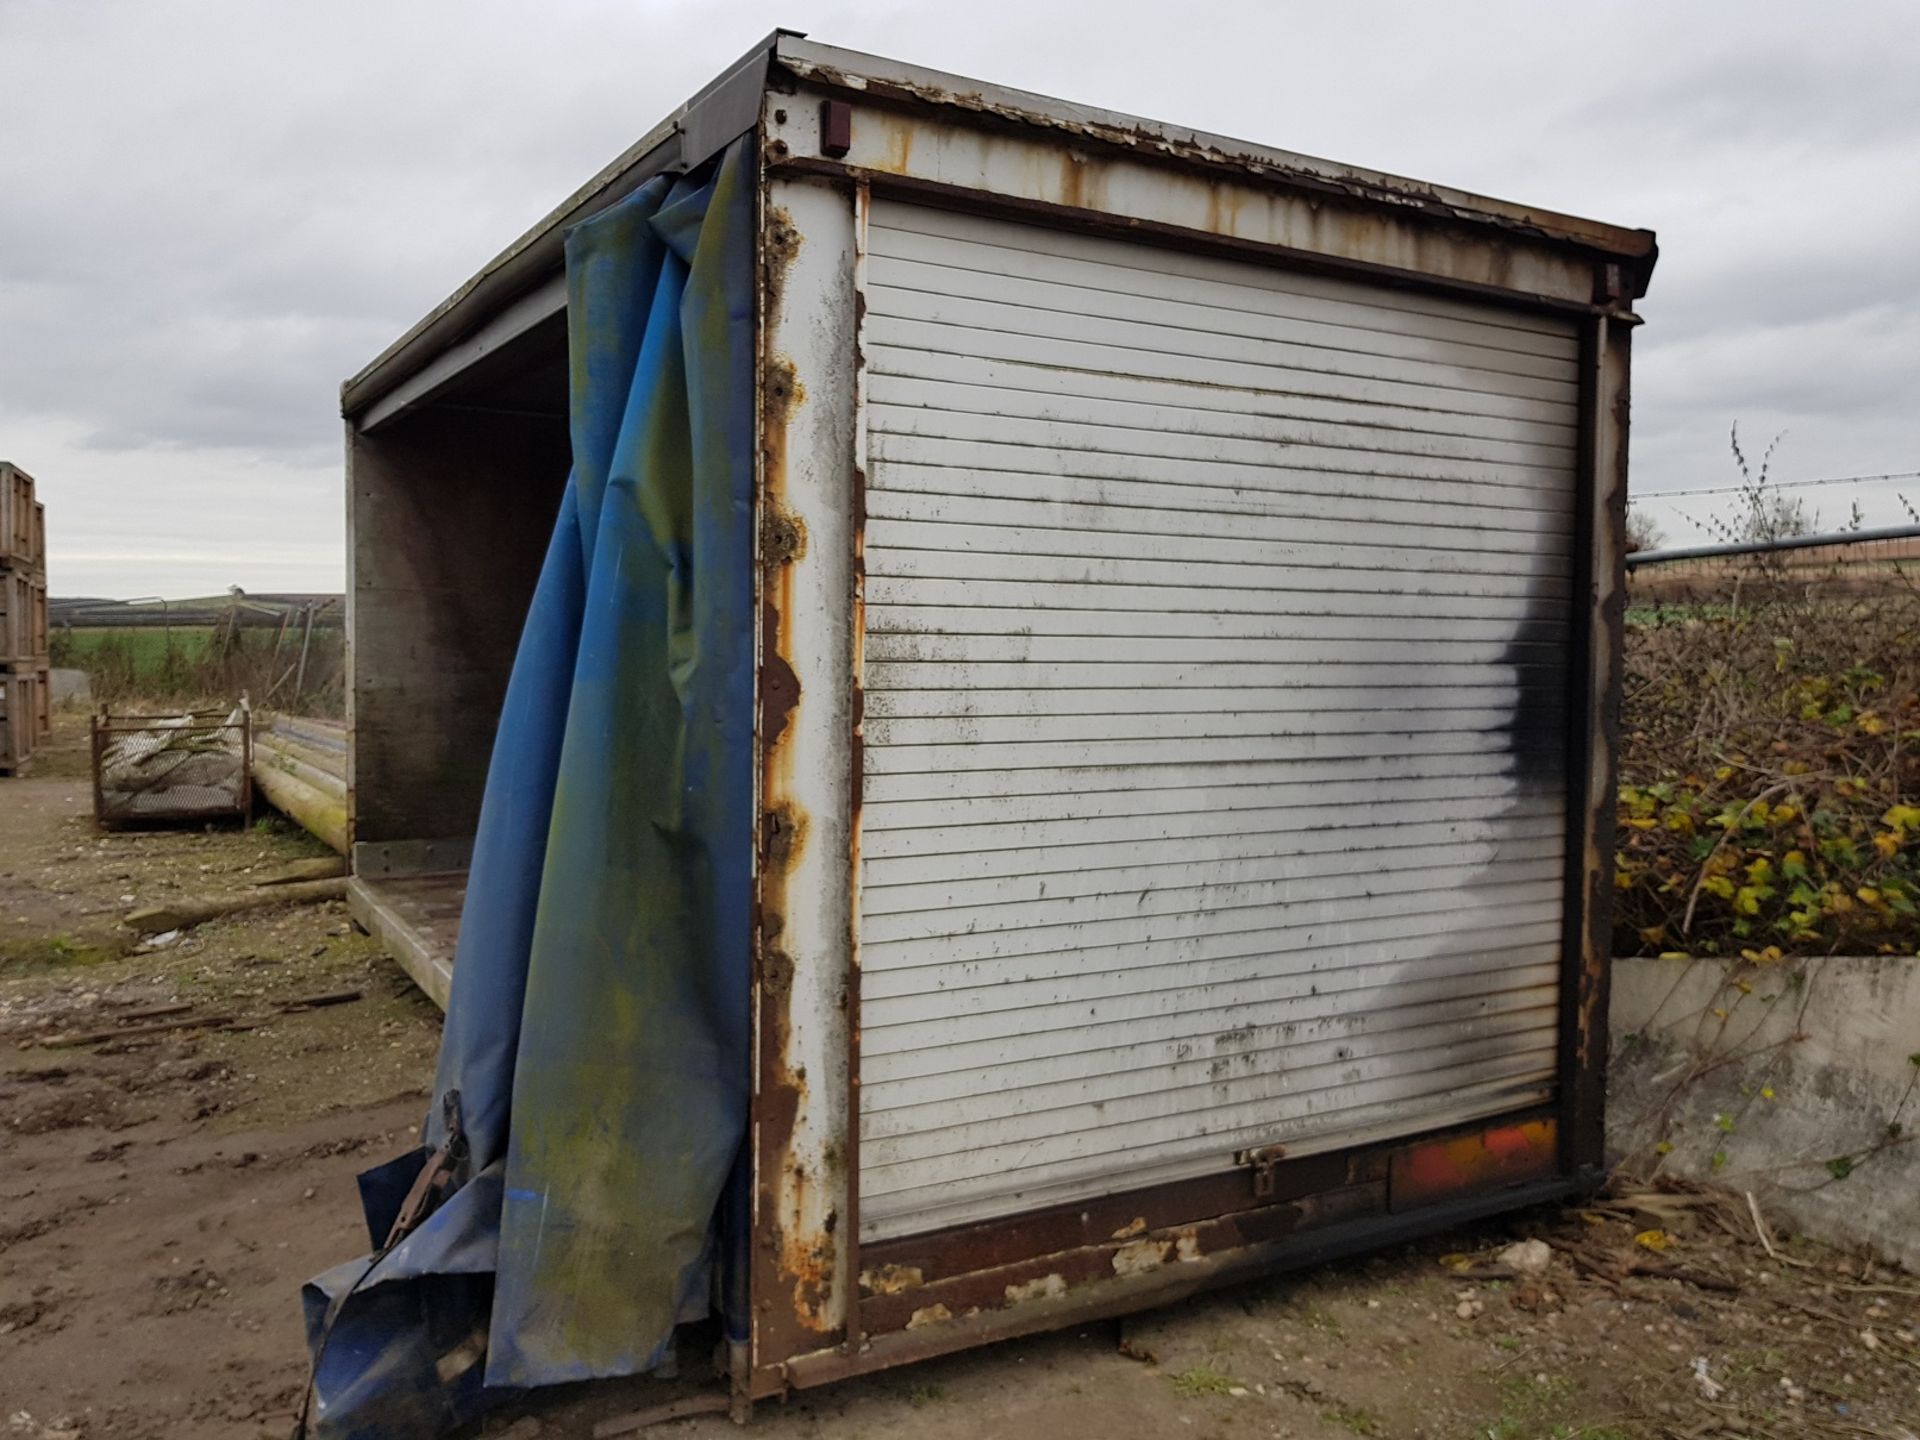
(523, 286)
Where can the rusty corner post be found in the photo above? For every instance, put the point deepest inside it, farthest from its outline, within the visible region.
(862, 200)
(1596, 663)
(803, 1279)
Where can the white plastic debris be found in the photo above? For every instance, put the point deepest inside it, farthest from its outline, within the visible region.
(1710, 1388)
(1528, 1257)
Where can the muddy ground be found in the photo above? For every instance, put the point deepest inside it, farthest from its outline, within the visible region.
(163, 1195)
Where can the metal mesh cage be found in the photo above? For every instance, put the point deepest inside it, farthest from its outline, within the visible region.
(172, 767)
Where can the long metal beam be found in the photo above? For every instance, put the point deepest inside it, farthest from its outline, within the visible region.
(1763, 547)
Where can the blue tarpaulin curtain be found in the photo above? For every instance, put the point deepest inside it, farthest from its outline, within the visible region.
(597, 1034)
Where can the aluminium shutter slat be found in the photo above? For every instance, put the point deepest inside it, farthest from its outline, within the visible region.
(962, 242)
(883, 900)
(1001, 391)
(919, 861)
(977, 1094)
(909, 286)
(1413, 526)
(1205, 1029)
(981, 383)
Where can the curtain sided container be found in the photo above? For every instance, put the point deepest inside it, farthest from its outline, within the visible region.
(1189, 580)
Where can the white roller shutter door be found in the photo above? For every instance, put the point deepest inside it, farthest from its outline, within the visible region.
(1215, 670)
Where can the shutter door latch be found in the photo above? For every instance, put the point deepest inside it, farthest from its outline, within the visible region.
(1261, 1161)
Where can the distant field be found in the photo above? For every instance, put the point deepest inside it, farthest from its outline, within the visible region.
(145, 664)
(141, 649)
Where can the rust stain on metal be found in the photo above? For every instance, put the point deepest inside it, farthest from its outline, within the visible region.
(793, 1259)
(899, 149)
(931, 1315)
(1140, 1255)
(1487, 1159)
(1043, 1288)
(988, 1286)
(1083, 181)
(1135, 1226)
(783, 537)
(892, 1279)
(779, 246)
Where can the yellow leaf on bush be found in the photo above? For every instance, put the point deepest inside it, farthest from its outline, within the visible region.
(1785, 814)
(1675, 955)
(1902, 818)
(1642, 823)
(1654, 1240)
(1887, 842)
(1868, 895)
(1725, 772)
(1872, 724)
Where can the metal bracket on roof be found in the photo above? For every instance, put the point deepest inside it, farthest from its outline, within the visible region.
(729, 106)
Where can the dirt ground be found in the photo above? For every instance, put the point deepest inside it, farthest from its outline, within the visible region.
(163, 1195)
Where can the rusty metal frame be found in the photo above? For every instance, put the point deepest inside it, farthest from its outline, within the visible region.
(932, 1294)
(1225, 194)
(824, 1305)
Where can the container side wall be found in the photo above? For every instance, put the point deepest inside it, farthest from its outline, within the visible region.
(448, 514)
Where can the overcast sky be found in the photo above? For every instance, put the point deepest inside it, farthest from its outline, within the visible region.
(211, 213)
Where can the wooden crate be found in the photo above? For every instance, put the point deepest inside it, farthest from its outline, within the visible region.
(20, 526)
(42, 704)
(19, 718)
(23, 617)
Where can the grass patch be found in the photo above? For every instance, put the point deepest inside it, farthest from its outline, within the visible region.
(1354, 1418)
(1314, 1317)
(922, 1395)
(1533, 1409)
(1202, 1380)
(49, 951)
